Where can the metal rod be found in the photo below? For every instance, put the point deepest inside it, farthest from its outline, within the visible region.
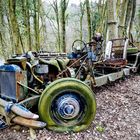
(80, 68)
(72, 64)
(27, 87)
(29, 99)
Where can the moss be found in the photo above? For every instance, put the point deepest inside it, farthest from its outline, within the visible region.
(55, 89)
(100, 128)
(132, 50)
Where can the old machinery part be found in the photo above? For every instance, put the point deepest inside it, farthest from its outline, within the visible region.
(67, 104)
(78, 48)
(3, 124)
(32, 72)
(41, 69)
(28, 122)
(72, 65)
(10, 74)
(18, 109)
(71, 72)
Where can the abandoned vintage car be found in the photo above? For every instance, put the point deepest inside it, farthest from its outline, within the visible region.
(60, 87)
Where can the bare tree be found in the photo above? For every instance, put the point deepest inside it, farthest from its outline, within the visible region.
(130, 16)
(2, 29)
(36, 24)
(56, 10)
(88, 10)
(63, 5)
(122, 6)
(82, 11)
(15, 27)
(28, 25)
(112, 31)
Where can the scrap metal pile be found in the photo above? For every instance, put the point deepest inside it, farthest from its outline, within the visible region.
(59, 87)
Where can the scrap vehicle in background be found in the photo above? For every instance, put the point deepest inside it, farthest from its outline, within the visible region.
(59, 87)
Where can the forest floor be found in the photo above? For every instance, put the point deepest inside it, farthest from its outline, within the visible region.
(117, 118)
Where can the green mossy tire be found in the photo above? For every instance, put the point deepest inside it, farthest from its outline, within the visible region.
(55, 89)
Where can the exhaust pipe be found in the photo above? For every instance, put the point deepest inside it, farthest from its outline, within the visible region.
(19, 110)
(28, 122)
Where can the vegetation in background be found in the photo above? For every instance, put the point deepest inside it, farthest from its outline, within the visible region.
(53, 25)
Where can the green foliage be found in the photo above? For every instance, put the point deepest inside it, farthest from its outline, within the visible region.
(100, 128)
(43, 28)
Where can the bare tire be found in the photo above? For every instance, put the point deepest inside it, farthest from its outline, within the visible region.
(67, 105)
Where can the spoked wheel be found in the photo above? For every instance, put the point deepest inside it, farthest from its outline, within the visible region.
(67, 105)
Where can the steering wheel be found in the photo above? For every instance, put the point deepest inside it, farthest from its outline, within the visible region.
(84, 45)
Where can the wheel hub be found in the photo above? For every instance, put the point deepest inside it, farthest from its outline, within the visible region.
(68, 107)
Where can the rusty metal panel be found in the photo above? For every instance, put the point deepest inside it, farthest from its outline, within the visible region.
(101, 80)
(9, 87)
(21, 77)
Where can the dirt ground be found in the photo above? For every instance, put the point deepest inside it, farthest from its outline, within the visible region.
(117, 118)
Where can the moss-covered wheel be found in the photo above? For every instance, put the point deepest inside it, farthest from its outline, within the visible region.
(67, 105)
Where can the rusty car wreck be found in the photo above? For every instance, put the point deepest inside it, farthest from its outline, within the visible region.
(59, 87)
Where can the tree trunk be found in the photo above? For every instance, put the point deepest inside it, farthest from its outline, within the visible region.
(14, 25)
(3, 49)
(129, 28)
(43, 28)
(36, 24)
(88, 19)
(24, 21)
(128, 19)
(64, 4)
(10, 33)
(2, 31)
(101, 26)
(2, 34)
(112, 31)
(28, 25)
(25, 10)
(56, 10)
(122, 15)
(82, 8)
